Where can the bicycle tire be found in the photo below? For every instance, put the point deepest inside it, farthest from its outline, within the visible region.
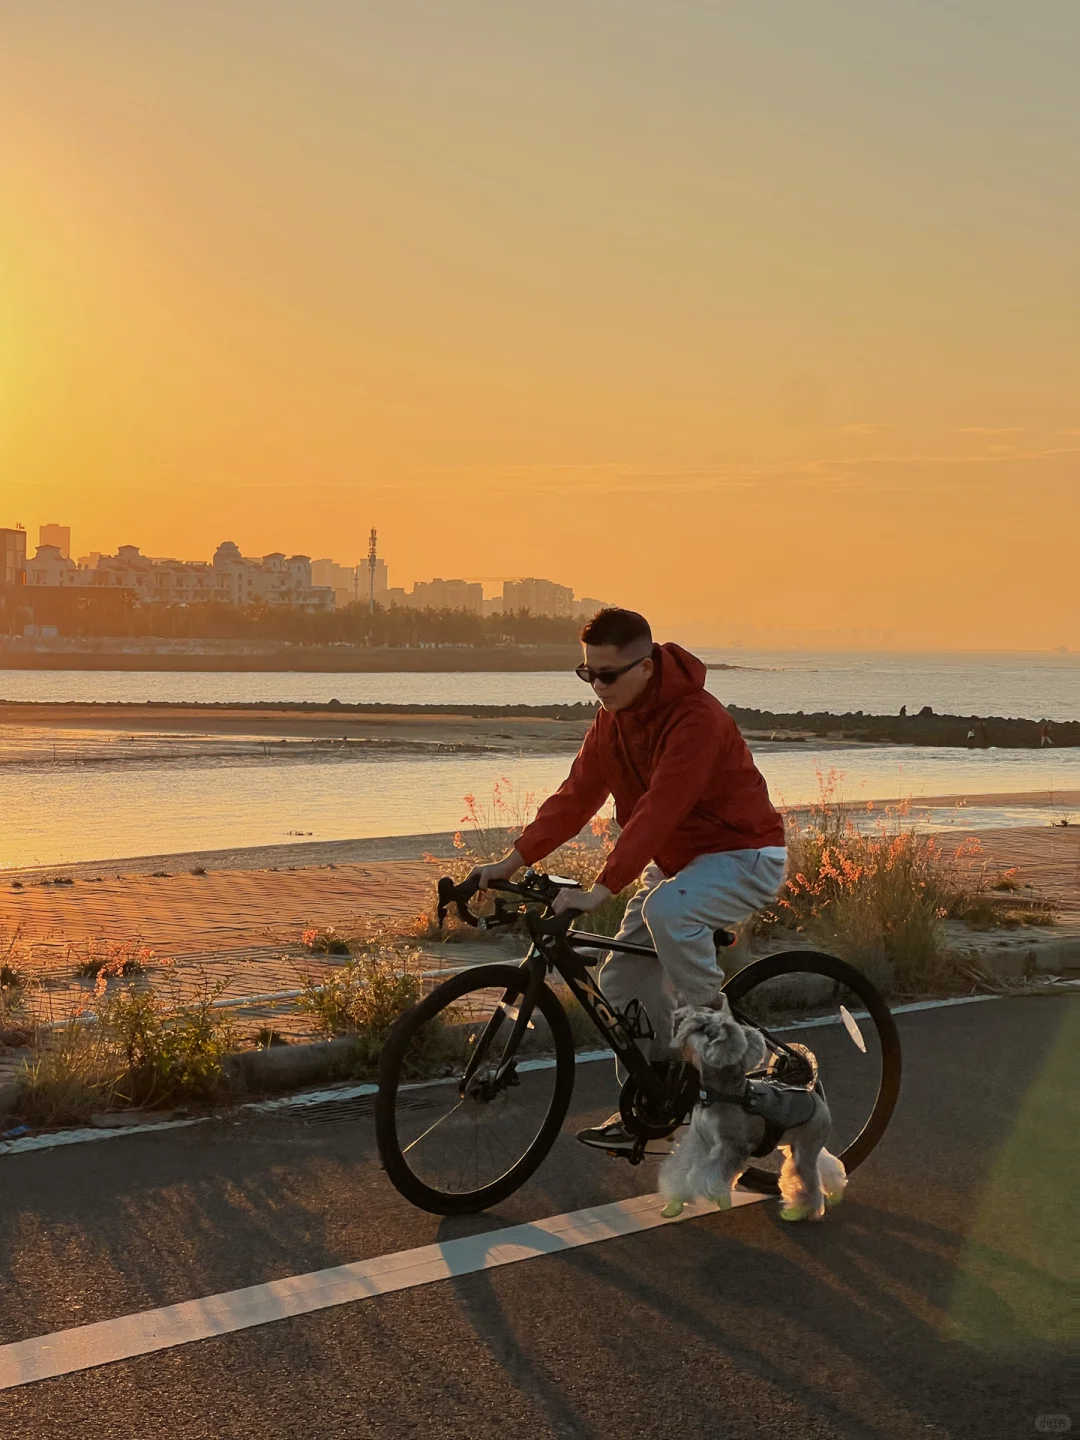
(511, 980)
(813, 962)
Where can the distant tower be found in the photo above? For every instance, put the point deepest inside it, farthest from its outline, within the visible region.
(372, 562)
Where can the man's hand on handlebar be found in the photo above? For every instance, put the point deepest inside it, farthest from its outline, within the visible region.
(583, 900)
(501, 870)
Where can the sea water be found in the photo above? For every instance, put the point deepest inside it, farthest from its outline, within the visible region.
(54, 813)
(1017, 685)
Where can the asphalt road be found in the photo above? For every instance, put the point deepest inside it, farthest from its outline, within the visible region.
(931, 1304)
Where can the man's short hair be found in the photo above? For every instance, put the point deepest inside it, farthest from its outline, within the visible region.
(621, 628)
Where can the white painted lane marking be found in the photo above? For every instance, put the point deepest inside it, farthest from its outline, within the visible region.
(108, 1341)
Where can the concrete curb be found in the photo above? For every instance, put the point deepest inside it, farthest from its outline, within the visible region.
(286, 1067)
(261, 1072)
(279, 1068)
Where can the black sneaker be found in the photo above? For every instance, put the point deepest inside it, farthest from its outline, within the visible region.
(612, 1136)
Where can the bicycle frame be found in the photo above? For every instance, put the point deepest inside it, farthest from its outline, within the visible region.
(557, 952)
(557, 949)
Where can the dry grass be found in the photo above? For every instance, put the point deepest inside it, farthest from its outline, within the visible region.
(879, 892)
(364, 997)
(325, 941)
(124, 957)
(490, 829)
(131, 1045)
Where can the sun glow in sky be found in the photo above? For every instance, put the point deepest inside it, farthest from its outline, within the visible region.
(764, 319)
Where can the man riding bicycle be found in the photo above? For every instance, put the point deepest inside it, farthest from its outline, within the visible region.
(696, 822)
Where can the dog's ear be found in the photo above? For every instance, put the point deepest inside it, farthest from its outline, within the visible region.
(724, 1044)
(679, 1016)
(721, 1007)
(756, 1049)
(684, 1027)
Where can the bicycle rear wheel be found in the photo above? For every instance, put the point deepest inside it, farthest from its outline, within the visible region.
(453, 1136)
(829, 1009)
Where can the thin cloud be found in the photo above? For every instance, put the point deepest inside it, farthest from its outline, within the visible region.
(988, 430)
(883, 470)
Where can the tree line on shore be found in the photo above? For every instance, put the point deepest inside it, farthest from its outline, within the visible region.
(91, 616)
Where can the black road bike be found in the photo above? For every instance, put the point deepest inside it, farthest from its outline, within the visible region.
(475, 1079)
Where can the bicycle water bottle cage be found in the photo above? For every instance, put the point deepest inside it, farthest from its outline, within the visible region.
(637, 1022)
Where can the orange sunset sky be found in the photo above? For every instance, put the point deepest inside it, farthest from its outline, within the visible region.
(762, 318)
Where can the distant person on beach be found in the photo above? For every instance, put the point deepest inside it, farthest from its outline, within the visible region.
(697, 826)
(1044, 734)
(903, 711)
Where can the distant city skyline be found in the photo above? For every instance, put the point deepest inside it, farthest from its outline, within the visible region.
(240, 579)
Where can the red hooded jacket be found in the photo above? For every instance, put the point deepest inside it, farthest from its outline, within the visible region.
(684, 781)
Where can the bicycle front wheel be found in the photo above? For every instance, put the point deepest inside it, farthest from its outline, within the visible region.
(454, 1135)
(836, 1019)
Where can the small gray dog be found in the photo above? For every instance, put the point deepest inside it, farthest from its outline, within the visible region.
(735, 1119)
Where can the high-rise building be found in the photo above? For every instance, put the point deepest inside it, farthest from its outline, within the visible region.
(587, 606)
(58, 535)
(447, 595)
(12, 557)
(539, 597)
(351, 584)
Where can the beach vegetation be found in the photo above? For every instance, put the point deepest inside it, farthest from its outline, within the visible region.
(113, 959)
(267, 1035)
(16, 1020)
(324, 940)
(364, 997)
(870, 884)
(129, 1046)
(488, 830)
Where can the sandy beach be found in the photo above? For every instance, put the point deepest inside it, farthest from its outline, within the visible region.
(239, 923)
(24, 726)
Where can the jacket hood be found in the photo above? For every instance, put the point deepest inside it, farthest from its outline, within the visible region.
(677, 674)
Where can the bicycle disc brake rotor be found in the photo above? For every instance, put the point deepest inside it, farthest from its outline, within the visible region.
(796, 1065)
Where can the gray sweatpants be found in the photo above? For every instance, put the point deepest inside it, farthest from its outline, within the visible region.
(678, 916)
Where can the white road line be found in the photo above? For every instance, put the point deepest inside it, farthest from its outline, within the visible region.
(108, 1341)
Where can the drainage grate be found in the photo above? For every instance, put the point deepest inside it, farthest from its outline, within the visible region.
(361, 1107)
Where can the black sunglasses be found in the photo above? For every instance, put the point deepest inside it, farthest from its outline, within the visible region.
(605, 677)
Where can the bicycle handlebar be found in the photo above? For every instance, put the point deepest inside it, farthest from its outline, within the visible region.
(534, 887)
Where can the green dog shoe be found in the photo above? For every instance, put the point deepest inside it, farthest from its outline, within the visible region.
(795, 1212)
(672, 1208)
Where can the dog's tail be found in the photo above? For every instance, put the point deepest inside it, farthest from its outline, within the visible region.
(833, 1177)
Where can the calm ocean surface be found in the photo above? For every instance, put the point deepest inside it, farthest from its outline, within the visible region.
(51, 814)
(55, 813)
(1027, 686)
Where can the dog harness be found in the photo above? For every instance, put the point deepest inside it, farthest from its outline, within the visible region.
(782, 1107)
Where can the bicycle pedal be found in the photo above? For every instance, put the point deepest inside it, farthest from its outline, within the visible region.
(632, 1157)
